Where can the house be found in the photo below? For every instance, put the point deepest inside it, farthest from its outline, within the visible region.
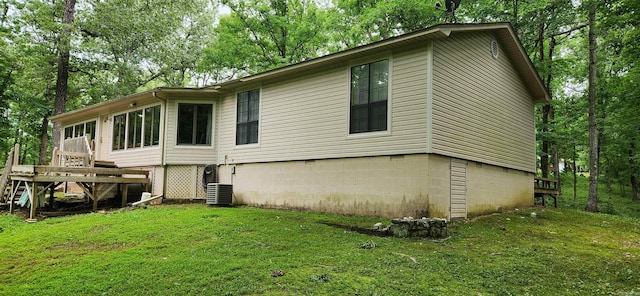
(437, 122)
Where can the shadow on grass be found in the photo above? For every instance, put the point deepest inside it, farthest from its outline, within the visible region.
(367, 231)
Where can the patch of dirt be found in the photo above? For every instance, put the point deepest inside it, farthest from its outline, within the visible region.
(367, 231)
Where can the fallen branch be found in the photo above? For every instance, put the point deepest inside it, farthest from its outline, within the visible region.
(410, 258)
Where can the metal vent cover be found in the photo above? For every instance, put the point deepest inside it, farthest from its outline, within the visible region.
(495, 49)
(219, 194)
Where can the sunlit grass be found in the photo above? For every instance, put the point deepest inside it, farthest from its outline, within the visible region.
(196, 250)
(617, 201)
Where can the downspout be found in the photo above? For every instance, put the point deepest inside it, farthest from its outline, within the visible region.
(219, 130)
(218, 124)
(429, 111)
(164, 125)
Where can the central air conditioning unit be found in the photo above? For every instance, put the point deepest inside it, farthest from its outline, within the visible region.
(219, 194)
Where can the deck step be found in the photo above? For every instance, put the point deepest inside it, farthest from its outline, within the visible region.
(105, 164)
(5, 198)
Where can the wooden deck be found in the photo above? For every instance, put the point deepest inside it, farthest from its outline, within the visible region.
(545, 187)
(95, 182)
(76, 164)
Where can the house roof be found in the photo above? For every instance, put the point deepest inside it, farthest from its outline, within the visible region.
(159, 93)
(504, 32)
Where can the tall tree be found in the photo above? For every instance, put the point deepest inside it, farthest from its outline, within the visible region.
(60, 102)
(592, 202)
(132, 44)
(619, 148)
(357, 22)
(175, 56)
(7, 69)
(34, 47)
(259, 35)
(542, 27)
(124, 47)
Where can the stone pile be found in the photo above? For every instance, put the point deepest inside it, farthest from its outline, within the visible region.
(419, 228)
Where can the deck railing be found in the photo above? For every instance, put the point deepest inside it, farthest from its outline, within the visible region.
(546, 184)
(4, 179)
(76, 152)
(546, 187)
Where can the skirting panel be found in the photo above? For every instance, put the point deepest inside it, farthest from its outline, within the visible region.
(184, 181)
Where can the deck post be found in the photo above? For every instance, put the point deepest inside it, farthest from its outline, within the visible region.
(34, 201)
(12, 195)
(95, 196)
(124, 191)
(52, 194)
(92, 149)
(16, 154)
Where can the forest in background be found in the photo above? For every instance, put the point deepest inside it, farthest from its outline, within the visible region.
(61, 55)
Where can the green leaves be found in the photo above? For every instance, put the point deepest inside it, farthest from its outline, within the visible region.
(141, 41)
(260, 35)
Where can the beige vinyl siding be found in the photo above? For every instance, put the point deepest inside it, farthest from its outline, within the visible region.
(137, 157)
(481, 108)
(308, 117)
(133, 157)
(187, 154)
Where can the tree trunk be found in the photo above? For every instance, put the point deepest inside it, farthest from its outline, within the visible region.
(575, 174)
(606, 169)
(544, 158)
(515, 15)
(635, 194)
(44, 140)
(592, 202)
(5, 11)
(22, 155)
(552, 114)
(44, 130)
(63, 67)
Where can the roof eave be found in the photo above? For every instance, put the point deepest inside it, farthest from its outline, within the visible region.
(431, 33)
(528, 71)
(160, 93)
(525, 67)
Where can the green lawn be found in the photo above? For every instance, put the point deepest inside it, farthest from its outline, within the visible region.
(200, 250)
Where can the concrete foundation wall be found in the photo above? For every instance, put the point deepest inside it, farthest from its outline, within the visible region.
(387, 186)
(439, 187)
(492, 189)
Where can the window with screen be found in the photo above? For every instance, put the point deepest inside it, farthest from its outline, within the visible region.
(247, 118)
(369, 97)
(134, 129)
(194, 124)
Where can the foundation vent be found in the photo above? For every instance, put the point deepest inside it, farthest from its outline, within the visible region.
(219, 194)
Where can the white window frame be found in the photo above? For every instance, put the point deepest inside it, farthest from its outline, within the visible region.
(367, 60)
(142, 129)
(235, 117)
(213, 124)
